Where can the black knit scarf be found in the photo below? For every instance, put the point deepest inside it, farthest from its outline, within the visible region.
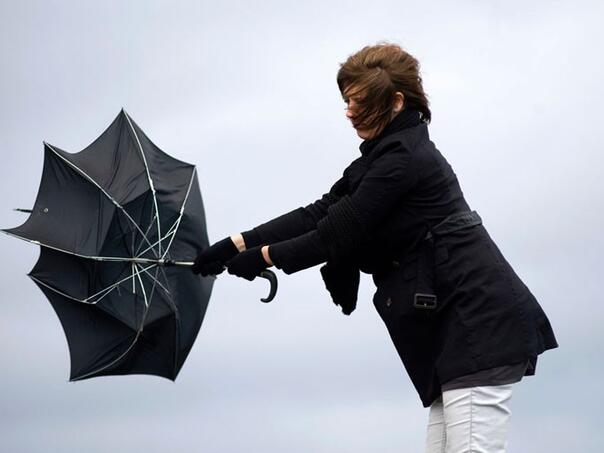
(342, 279)
(409, 117)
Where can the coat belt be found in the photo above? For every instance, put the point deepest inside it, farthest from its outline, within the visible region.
(454, 222)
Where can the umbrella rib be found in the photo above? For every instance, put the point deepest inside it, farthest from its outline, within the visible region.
(174, 228)
(175, 310)
(171, 232)
(58, 291)
(147, 300)
(110, 363)
(87, 301)
(140, 280)
(66, 295)
(146, 232)
(96, 258)
(115, 202)
(110, 288)
(182, 210)
(168, 233)
(172, 303)
(152, 277)
(138, 333)
(151, 185)
(115, 259)
(176, 224)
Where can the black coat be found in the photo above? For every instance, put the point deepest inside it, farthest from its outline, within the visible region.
(476, 313)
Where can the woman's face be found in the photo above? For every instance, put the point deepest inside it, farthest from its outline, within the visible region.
(352, 105)
(351, 108)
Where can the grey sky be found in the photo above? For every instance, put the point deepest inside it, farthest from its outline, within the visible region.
(246, 90)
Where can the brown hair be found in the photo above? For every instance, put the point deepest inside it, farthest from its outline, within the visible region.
(375, 74)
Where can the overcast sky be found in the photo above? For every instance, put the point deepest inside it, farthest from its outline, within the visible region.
(246, 90)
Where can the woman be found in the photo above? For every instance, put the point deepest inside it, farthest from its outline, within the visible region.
(463, 323)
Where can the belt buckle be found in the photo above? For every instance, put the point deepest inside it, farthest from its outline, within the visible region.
(426, 301)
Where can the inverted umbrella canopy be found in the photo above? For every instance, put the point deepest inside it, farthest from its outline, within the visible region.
(108, 220)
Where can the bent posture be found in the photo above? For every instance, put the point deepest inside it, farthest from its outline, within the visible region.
(463, 323)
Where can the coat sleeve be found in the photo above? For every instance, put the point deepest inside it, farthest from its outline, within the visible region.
(296, 222)
(301, 252)
(353, 218)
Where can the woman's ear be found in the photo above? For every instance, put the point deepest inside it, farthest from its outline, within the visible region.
(399, 101)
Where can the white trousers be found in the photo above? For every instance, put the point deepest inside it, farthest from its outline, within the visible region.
(470, 420)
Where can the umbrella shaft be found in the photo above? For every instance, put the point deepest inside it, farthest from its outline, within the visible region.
(161, 262)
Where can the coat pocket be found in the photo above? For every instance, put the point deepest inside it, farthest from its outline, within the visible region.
(400, 277)
(416, 294)
(395, 293)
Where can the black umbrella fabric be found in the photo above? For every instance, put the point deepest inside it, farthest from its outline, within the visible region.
(116, 224)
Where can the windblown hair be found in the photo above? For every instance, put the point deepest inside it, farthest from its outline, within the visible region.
(373, 75)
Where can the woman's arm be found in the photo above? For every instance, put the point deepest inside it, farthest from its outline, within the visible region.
(296, 254)
(352, 218)
(292, 224)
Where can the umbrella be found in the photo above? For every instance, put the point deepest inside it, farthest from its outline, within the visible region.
(117, 224)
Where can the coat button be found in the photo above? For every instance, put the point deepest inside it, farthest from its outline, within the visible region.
(388, 302)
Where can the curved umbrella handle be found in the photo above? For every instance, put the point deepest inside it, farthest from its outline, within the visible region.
(272, 278)
(268, 274)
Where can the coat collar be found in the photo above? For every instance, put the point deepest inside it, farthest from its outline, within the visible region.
(407, 118)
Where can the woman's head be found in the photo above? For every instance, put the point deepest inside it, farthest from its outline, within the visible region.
(377, 82)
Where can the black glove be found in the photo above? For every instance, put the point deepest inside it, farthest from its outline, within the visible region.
(211, 260)
(342, 282)
(248, 264)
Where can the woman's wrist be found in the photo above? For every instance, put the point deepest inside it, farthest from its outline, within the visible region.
(238, 241)
(266, 256)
